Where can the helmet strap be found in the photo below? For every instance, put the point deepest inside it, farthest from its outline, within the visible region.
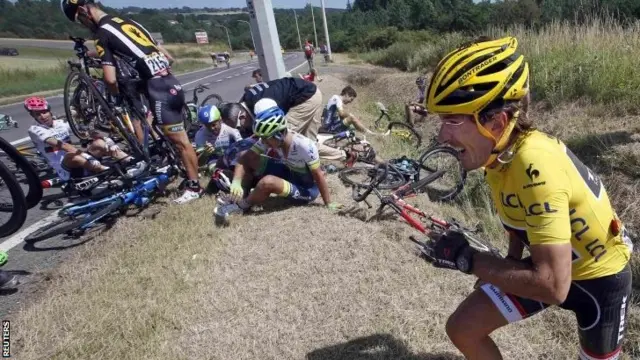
(501, 143)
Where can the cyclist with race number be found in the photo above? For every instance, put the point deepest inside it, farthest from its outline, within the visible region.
(296, 175)
(213, 137)
(133, 44)
(547, 200)
(52, 138)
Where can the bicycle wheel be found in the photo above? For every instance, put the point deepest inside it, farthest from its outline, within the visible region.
(135, 148)
(77, 95)
(452, 182)
(34, 194)
(17, 207)
(213, 99)
(405, 134)
(363, 176)
(67, 224)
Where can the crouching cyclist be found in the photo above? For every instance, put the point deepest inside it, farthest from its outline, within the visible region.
(297, 175)
(547, 200)
(213, 137)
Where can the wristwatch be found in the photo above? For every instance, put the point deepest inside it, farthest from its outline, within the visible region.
(464, 261)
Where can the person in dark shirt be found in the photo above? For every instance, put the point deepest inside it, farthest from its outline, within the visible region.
(299, 99)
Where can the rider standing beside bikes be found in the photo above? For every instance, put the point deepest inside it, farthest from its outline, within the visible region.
(547, 200)
(132, 43)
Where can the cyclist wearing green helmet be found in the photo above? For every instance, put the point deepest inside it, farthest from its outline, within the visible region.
(295, 175)
(213, 137)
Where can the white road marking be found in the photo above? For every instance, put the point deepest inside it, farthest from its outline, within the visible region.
(19, 237)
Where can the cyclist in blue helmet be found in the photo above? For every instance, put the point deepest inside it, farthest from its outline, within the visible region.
(213, 137)
(296, 175)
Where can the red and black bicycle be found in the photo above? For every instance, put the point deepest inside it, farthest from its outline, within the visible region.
(429, 225)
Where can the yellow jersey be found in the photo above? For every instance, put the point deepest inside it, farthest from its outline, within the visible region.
(546, 195)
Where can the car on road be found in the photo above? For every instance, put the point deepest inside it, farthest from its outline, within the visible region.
(9, 51)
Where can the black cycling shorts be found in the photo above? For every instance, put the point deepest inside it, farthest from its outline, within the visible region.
(166, 101)
(601, 307)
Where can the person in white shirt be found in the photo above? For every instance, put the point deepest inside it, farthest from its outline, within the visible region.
(336, 119)
(52, 138)
(213, 137)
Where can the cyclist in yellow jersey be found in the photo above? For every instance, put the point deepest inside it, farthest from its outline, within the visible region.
(547, 199)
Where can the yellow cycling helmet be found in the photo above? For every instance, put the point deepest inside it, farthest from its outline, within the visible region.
(478, 77)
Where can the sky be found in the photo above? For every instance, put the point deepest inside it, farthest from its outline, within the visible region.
(298, 4)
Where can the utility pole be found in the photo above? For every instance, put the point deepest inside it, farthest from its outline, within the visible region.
(269, 56)
(251, 32)
(228, 38)
(326, 30)
(313, 18)
(297, 28)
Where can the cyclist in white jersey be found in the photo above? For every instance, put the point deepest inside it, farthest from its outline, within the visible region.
(52, 138)
(296, 175)
(214, 136)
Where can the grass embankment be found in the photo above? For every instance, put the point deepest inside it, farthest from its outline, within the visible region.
(39, 69)
(302, 282)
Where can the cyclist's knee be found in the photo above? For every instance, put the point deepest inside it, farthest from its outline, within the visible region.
(270, 184)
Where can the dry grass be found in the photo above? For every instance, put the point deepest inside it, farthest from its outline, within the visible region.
(280, 283)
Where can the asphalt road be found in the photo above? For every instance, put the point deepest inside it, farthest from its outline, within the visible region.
(35, 262)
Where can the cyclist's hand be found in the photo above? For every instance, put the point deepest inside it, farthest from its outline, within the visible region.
(452, 251)
(236, 189)
(334, 206)
(209, 147)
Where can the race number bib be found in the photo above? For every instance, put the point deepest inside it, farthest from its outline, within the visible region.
(157, 63)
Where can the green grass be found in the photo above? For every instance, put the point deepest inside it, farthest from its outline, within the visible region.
(38, 52)
(23, 81)
(593, 62)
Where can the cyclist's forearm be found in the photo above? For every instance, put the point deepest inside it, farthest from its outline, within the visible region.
(514, 277)
(321, 181)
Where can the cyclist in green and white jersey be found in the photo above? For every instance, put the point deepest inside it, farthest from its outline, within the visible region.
(295, 175)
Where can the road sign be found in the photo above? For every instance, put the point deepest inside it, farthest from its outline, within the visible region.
(201, 37)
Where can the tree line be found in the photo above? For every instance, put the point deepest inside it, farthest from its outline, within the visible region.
(364, 25)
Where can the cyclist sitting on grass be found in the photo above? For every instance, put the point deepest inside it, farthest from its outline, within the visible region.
(336, 119)
(52, 138)
(213, 137)
(547, 200)
(297, 176)
(417, 107)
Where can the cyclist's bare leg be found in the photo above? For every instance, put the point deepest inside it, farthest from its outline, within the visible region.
(99, 149)
(186, 151)
(470, 325)
(352, 120)
(76, 161)
(266, 186)
(408, 113)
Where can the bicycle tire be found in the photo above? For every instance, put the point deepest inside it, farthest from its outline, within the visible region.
(392, 180)
(18, 203)
(216, 97)
(34, 195)
(116, 121)
(52, 229)
(449, 193)
(409, 134)
(73, 75)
